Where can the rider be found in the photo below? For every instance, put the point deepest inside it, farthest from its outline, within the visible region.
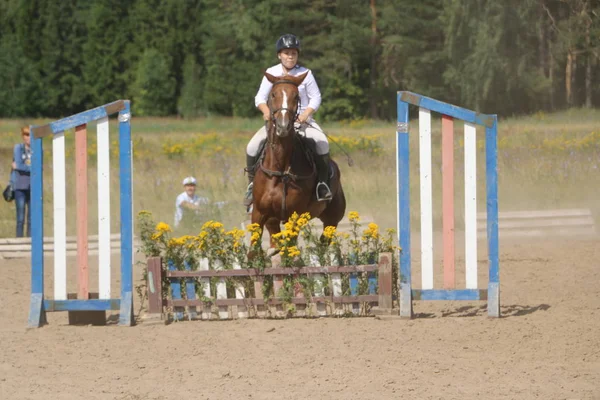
(288, 49)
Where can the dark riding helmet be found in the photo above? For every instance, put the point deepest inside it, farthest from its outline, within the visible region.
(287, 41)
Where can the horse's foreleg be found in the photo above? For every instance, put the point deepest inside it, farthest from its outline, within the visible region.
(273, 227)
(257, 218)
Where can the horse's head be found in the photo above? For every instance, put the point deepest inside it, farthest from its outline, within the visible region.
(284, 101)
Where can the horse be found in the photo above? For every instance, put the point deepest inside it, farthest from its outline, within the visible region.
(286, 176)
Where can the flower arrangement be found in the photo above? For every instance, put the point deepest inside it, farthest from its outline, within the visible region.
(287, 239)
(295, 243)
(298, 244)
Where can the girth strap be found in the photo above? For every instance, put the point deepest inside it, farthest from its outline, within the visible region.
(286, 176)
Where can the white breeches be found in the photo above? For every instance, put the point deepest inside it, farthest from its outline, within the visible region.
(313, 132)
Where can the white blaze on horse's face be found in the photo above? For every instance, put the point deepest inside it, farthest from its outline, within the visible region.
(283, 119)
(284, 113)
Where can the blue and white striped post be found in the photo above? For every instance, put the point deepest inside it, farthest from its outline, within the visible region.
(403, 175)
(491, 163)
(37, 313)
(490, 122)
(38, 304)
(126, 186)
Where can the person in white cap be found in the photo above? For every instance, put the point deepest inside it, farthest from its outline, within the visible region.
(188, 203)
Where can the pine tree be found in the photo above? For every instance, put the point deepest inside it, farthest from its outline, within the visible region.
(153, 88)
(107, 65)
(19, 81)
(189, 104)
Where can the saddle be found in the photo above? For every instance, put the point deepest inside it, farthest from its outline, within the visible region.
(307, 148)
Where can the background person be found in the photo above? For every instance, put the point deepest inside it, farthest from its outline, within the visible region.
(188, 205)
(21, 179)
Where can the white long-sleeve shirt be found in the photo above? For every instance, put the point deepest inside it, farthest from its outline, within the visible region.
(310, 95)
(195, 200)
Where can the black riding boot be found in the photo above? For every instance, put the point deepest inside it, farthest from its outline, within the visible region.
(250, 163)
(323, 191)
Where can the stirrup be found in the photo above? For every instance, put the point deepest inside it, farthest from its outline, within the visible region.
(327, 196)
(248, 196)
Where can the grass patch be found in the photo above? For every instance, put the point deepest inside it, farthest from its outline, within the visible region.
(545, 161)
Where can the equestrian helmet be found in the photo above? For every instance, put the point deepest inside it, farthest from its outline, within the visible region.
(287, 41)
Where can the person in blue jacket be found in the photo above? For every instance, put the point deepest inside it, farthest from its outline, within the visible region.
(21, 179)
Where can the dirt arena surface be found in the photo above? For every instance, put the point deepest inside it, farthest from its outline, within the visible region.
(546, 346)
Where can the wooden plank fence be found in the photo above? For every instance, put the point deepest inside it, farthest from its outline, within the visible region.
(326, 299)
(542, 223)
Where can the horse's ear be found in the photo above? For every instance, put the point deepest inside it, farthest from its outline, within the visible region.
(270, 77)
(300, 78)
(297, 80)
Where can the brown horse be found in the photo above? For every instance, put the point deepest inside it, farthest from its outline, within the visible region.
(286, 179)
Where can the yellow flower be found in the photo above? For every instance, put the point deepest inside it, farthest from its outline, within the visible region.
(157, 236)
(253, 227)
(329, 232)
(163, 227)
(372, 231)
(216, 225)
(293, 251)
(301, 222)
(236, 233)
(353, 216)
(176, 242)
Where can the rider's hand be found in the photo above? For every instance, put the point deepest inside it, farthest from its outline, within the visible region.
(266, 116)
(302, 118)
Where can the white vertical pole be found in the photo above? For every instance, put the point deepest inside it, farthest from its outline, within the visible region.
(103, 145)
(426, 199)
(319, 285)
(336, 289)
(222, 294)
(205, 282)
(240, 293)
(60, 216)
(470, 206)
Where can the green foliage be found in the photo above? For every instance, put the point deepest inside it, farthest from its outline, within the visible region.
(206, 57)
(189, 104)
(154, 89)
(19, 80)
(107, 62)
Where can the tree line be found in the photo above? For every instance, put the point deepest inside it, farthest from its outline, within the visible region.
(195, 58)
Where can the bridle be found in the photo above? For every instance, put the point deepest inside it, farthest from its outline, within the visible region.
(272, 117)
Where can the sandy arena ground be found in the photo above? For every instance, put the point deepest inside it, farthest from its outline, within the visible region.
(547, 345)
